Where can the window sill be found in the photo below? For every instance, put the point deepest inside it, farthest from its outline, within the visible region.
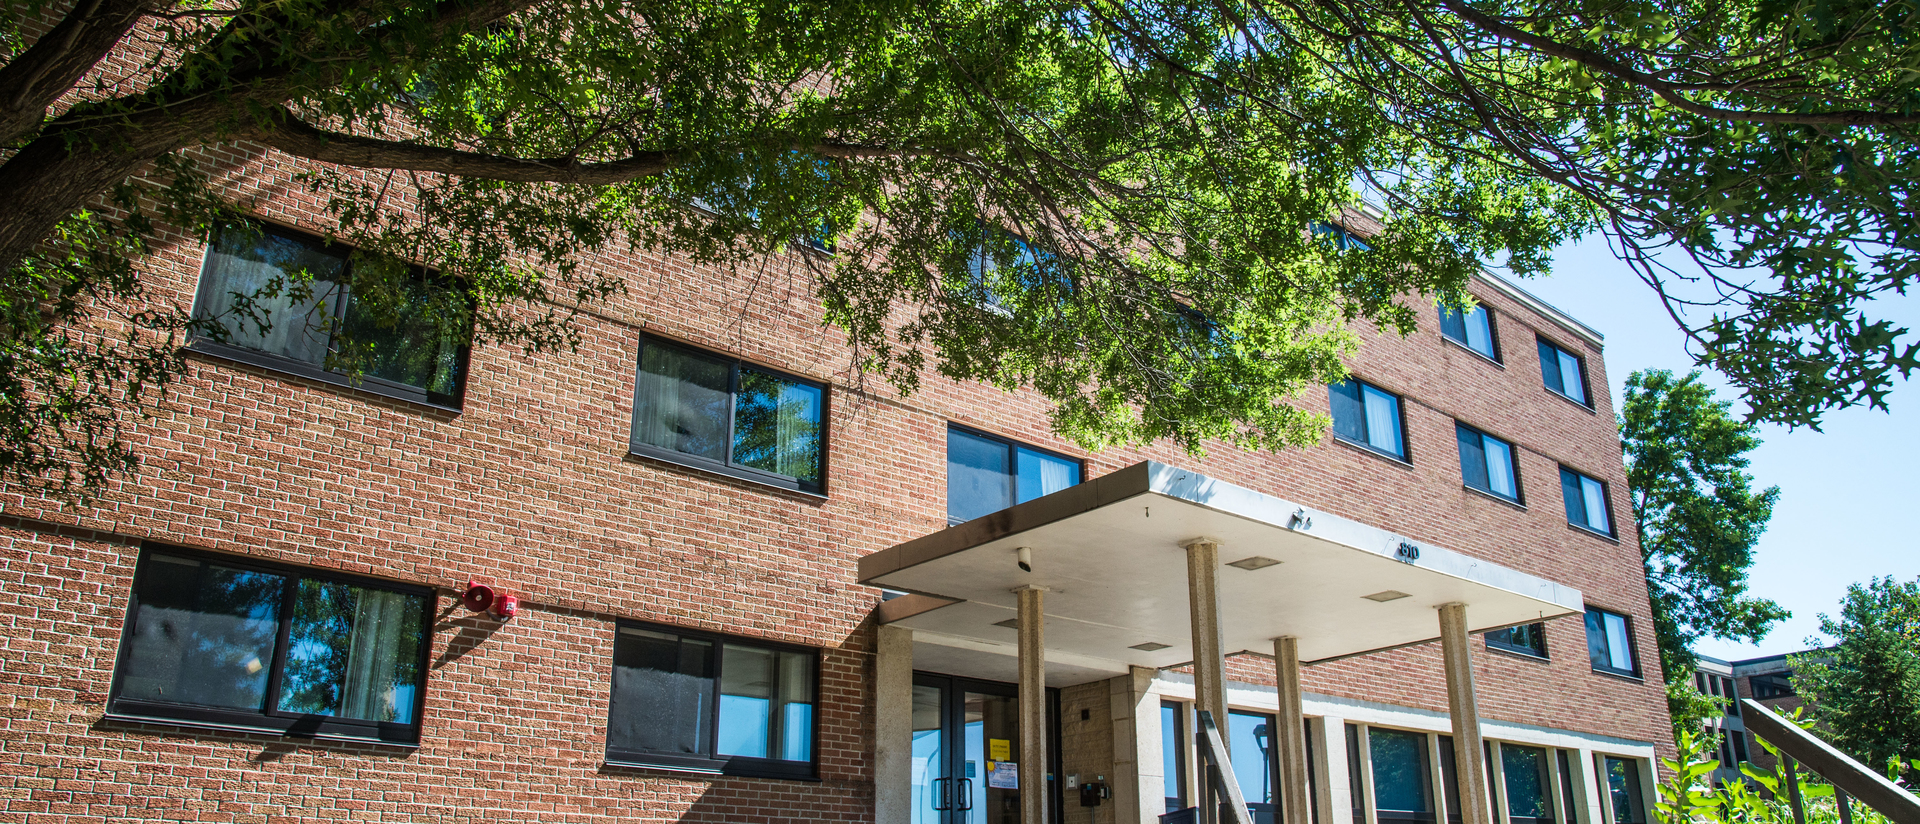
(306, 371)
(644, 452)
(1572, 400)
(1387, 456)
(1474, 352)
(1624, 676)
(1609, 538)
(717, 771)
(247, 729)
(1493, 497)
(1519, 653)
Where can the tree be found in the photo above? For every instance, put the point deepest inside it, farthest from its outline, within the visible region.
(1178, 164)
(1698, 518)
(1865, 692)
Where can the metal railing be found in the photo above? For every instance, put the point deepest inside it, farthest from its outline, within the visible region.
(1220, 798)
(1850, 778)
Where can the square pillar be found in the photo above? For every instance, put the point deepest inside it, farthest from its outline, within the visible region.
(1203, 603)
(1033, 706)
(1335, 773)
(1470, 765)
(1290, 740)
(1138, 786)
(893, 724)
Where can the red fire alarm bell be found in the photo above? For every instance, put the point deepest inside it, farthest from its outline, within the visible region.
(478, 597)
(507, 606)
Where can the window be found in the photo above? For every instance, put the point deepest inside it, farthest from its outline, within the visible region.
(1400, 775)
(1772, 685)
(251, 288)
(1739, 740)
(1173, 754)
(1561, 371)
(1257, 765)
(1339, 236)
(1472, 328)
(1526, 639)
(1623, 790)
(1569, 803)
(1366, 416)
(987, 474)
(1610, 642)
(719, 414)
(1003, 262)
(702, 702)
(1529, 783)
(1586, 501)
(1486, 463)
(231, 642)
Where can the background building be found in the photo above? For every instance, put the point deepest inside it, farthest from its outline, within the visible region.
(266, 621)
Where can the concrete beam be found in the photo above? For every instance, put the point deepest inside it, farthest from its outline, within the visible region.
(1470, 766)
(1203, 604)
(1291, 738)
(1033, 706)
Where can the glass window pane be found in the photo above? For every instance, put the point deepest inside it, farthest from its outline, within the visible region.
(1383, 421)
(979, 480)
(1452, 324)
(930, 788)
(1596, 640)
(1042, 474)
(1172, 743)
(353, 652)
(682, 402)
(1480, 331)
(662, 693)
(1399, 770)
(746, 701)
(399, 338)
(776, 425)
(1595, 497)
(1349, 414)
(1500, 467)
(793, 706)
(204, 634)
(1473, 458)
(1575, 386)
(1575, 499)
(1250, 741)
(1529, 790)
(1623, 788)
(1550, 367)
(252, 285)
(1619, 646)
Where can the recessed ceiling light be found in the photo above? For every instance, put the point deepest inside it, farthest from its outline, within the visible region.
(1388, 595)
(1255, 562)
(1150, 646)
(1010, 623)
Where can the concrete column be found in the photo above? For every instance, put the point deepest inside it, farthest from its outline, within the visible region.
(893, 724)
(1203, 602)
(1138, 786)
(1033, 706)
(1470, 766)
(1335, 785)
(1291, 739)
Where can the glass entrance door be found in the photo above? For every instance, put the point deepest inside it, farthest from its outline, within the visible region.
(966, 751)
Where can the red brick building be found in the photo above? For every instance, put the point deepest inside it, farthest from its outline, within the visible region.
(267, 624)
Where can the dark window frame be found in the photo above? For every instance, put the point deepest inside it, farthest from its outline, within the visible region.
(1497, 358)
(372, 384)
(270, 721)
(729, 467)
(1519, 490)
(1400, 411)
(1633, 646)
(1499, 639)
(1606, 496)
(1580, 363)
(1013, 458)
(736, 765)
(1770, 685)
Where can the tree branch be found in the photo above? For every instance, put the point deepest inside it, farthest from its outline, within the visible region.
(49, 68)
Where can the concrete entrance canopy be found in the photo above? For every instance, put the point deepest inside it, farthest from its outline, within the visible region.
(1109, 554)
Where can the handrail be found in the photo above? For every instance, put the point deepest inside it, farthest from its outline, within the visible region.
(1219, 777)
(1846, 774)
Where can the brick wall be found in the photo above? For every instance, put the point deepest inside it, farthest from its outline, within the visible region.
(529, 487)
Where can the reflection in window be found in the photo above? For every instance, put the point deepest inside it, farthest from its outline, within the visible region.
(1528, 639)
(711, 703)
(1400, 774)
(1610, 642)
(1173, 754)
(726, 415)
(986, 474)
(1529, 785)
(1250, 740)
(1623, 791)
(206, 642)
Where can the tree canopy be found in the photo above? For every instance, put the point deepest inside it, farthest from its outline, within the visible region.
(1698, 517)
(1124, 204)
(1865, 691)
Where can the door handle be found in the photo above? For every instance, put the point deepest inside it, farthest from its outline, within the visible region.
(941, 802)
(966, 794)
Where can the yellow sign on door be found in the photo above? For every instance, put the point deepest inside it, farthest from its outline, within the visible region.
(999, 749)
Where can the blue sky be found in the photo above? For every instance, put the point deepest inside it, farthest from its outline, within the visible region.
(1839, 488)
